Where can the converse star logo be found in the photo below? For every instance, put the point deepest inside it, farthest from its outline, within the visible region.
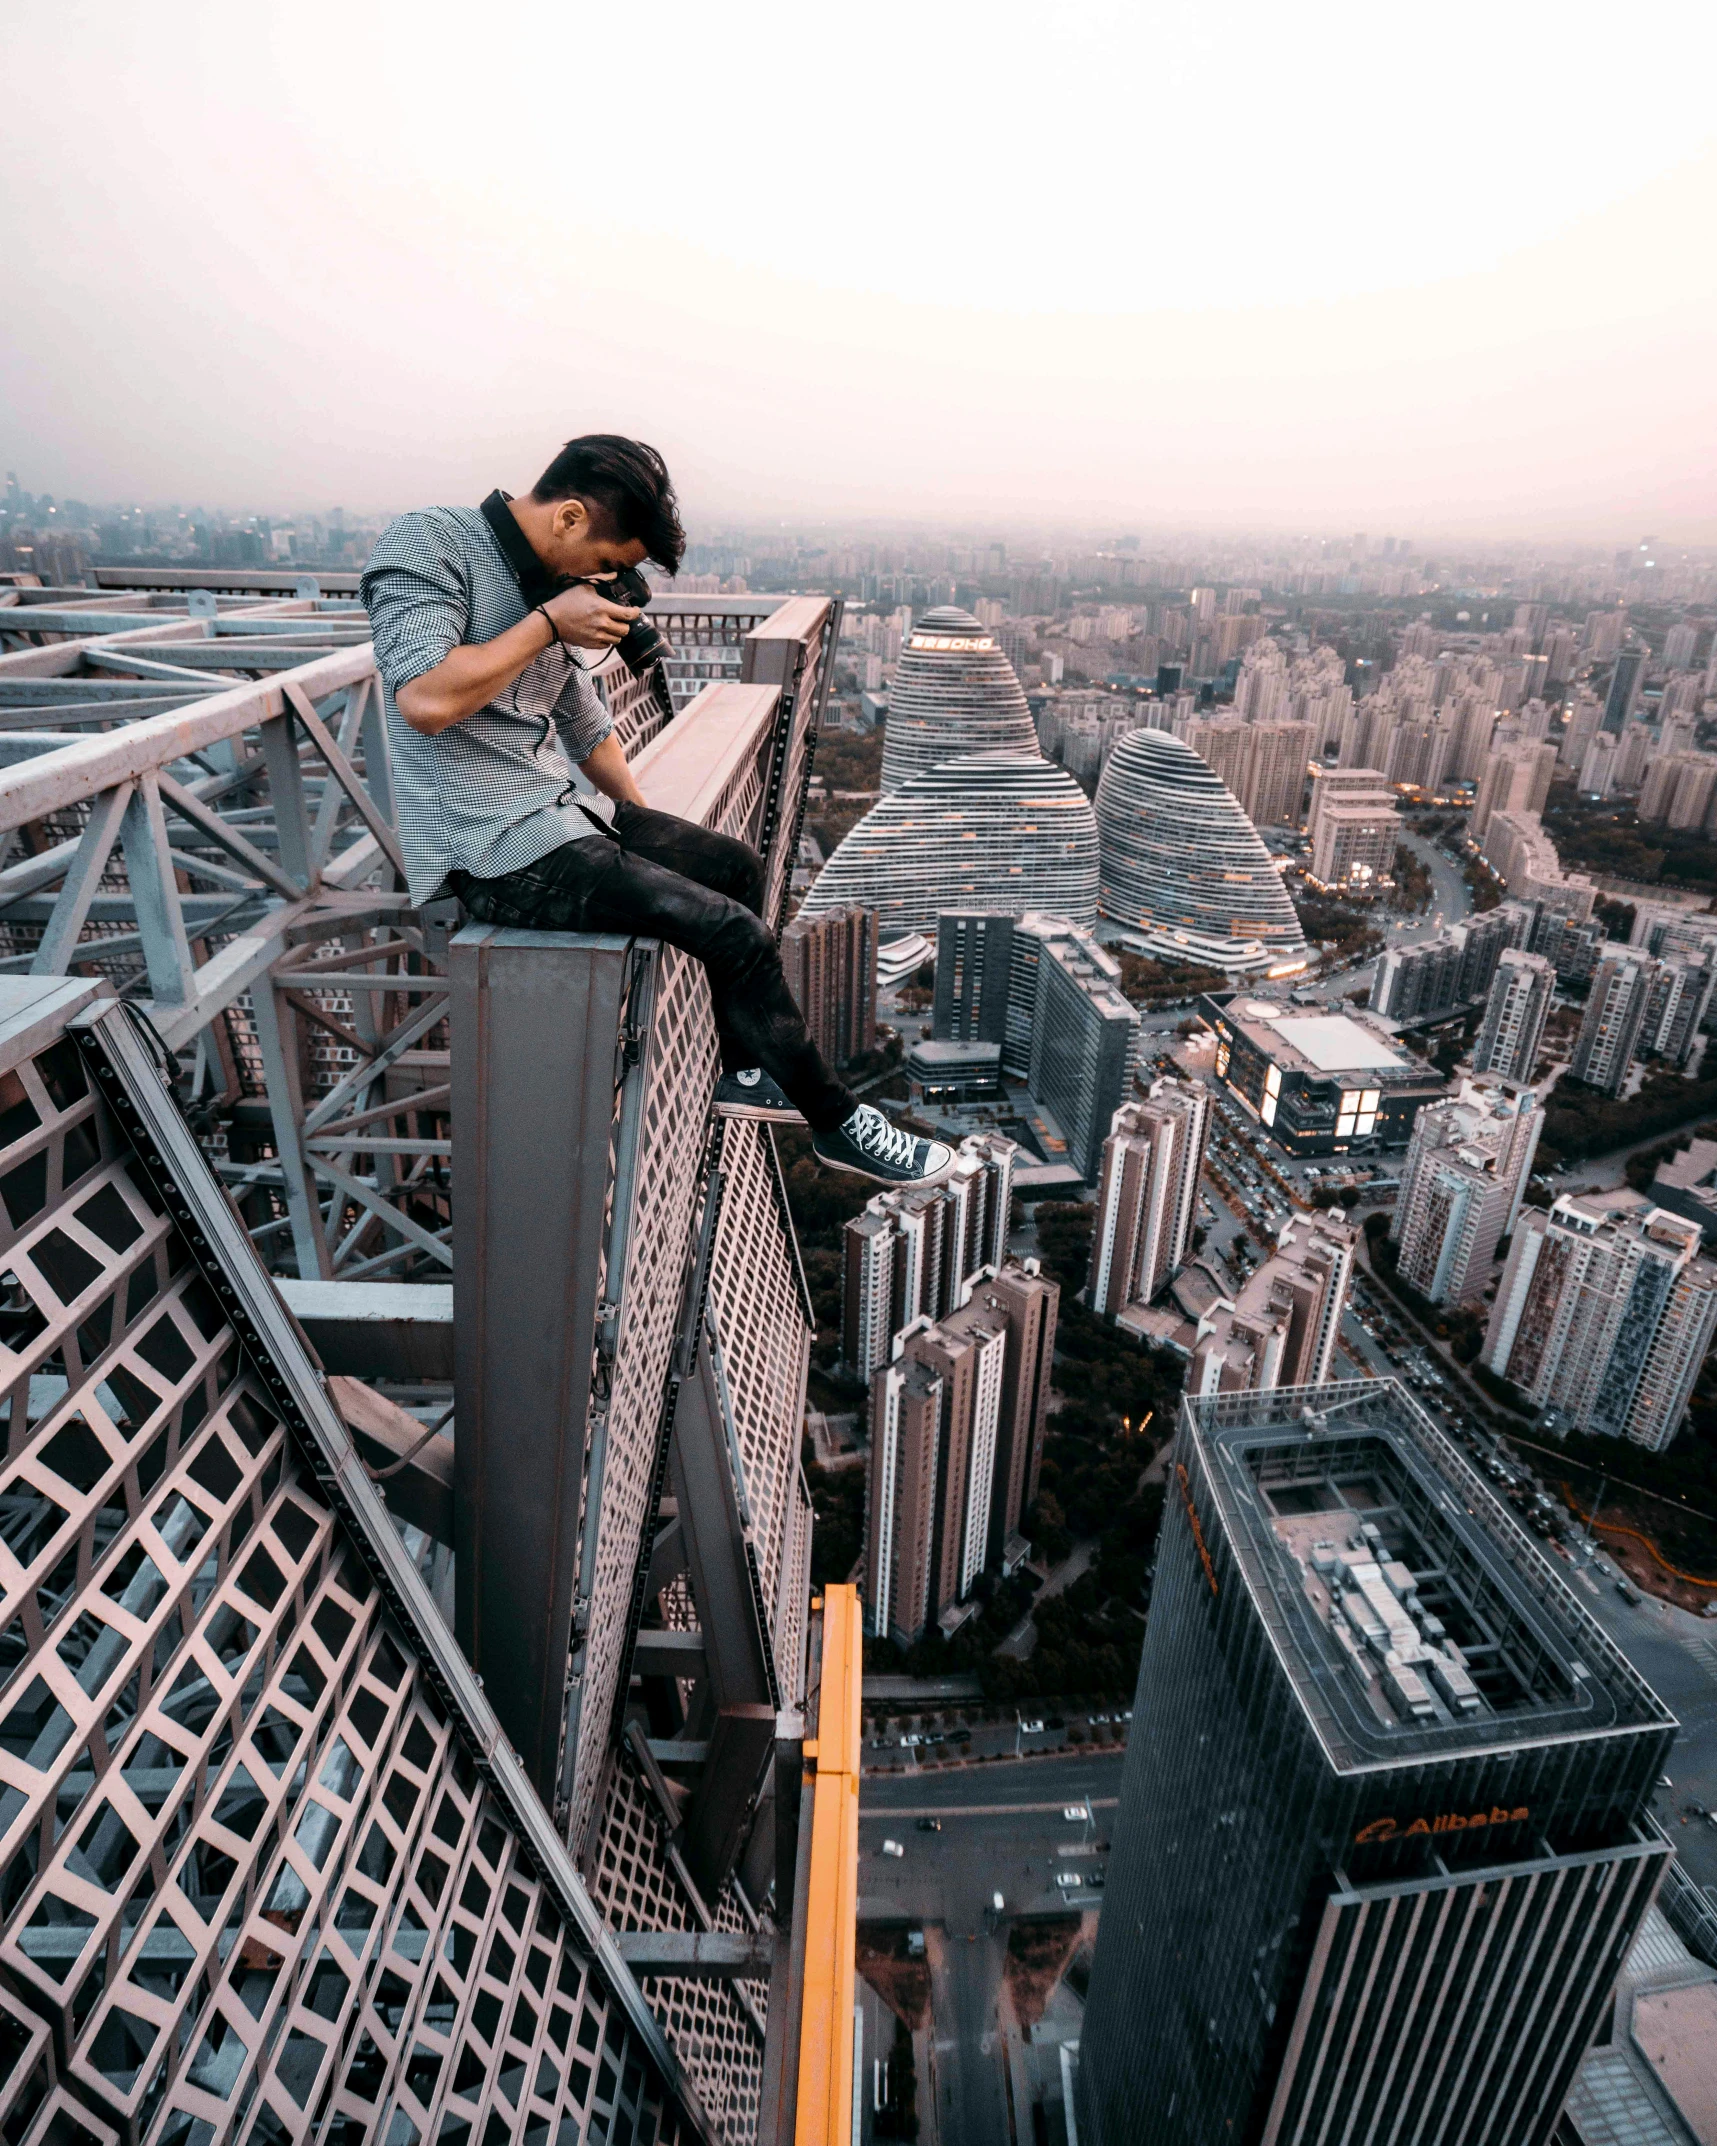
(750, 1077)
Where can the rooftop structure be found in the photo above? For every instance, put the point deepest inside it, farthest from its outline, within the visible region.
(1660, 2047)
(998, 831)
(1687, 1185)
(1320, 1084)
(953, 694)
(550, 1823)
(1183, 870)
(1378, 1711)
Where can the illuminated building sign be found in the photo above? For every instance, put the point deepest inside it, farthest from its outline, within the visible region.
(949, 640)
(1381, 1829)
(1197, 1530)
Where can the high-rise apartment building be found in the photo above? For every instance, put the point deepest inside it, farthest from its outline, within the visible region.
(1614, 1020)
(1678, 645)
(1604, 1313)
(1604, 630)
(1281, 1327)
(1416, 982)
(906, 1406)
(1084, 1042)
(1561, 651)
(1352, 828)
(1625, 683)
(1516, 1009)
(957, 1420)
(974, 969)
(1585, 716)
(1262, 761)
(1680, 995)
(1678, 790)
(1030, 1303)
(830, 964)
(919, 1253)
(1388, 1839)
(1462, 1183)
(1147, 1197)
(1516, 778)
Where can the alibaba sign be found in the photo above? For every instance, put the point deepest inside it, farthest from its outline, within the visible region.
(1451, 1822)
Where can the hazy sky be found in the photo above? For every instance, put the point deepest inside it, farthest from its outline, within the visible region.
(1329, 265)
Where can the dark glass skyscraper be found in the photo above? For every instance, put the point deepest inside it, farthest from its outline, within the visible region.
(1383, 1840)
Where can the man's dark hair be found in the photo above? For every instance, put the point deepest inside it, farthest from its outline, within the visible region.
(629, 482)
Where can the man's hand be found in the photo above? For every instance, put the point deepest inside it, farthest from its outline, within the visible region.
(471, 676)
(585, 617)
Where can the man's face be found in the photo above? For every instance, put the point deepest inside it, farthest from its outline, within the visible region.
(582, 543)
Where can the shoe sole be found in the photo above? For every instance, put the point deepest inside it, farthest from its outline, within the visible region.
(854, 1169)
(760, 1113)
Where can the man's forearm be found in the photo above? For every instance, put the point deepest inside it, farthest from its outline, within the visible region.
(608, 770)
(471, 676)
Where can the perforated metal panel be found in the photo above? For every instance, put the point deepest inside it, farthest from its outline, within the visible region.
(266, 1868)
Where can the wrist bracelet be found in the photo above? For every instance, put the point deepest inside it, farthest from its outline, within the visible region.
(554, 630)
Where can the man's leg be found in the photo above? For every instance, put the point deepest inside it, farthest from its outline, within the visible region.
(594, 884)
(717, 861)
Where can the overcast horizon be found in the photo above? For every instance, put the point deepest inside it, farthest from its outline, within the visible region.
(925, 267)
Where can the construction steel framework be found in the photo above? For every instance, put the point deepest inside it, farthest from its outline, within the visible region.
(632, 1322)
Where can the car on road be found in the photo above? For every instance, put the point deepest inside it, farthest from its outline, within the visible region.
(1068, 1879)
(893, 1847)
(930, 1825)
(1076, 1814)
(1629, 1592)
(1031, 1728)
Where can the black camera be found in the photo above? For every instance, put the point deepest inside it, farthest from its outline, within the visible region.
(643, 645)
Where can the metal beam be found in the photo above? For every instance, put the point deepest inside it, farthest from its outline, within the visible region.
(698, 1955)
(377, 1330)
(536, 1023)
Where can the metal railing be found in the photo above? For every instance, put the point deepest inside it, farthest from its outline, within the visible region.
(206, 814)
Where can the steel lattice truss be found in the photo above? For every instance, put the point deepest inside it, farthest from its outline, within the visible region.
(204, 813)
(371, 1927)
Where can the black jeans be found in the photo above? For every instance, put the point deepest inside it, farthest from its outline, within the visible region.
(658, 877)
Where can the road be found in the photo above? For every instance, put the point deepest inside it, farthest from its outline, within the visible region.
(1677, 1656)
(1002, 1831)
(1451, 897)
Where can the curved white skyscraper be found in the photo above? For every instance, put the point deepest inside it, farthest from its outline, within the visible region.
(953, 693)
(1004, 831)
(1183, 869)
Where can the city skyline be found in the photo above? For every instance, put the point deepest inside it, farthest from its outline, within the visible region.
(355, 314)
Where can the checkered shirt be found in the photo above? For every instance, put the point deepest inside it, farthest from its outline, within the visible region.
(495, 792)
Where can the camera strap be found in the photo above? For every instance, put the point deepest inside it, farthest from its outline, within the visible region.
(536, 583)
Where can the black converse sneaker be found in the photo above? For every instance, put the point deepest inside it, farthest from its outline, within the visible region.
(869, 1145)
(753, 1094)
